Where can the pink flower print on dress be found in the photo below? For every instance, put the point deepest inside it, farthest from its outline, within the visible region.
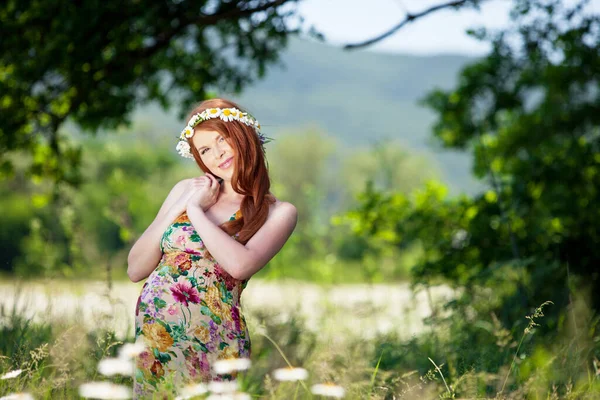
(183, 292)
(172, 310)
(179, 242)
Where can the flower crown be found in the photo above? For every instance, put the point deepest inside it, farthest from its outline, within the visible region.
(227, 115)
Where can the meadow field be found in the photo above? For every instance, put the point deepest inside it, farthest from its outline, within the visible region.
(369, 341)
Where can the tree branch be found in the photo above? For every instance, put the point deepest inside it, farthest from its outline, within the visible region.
(410, 18)
(206, 20)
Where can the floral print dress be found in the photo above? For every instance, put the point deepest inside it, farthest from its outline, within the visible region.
(188, 314)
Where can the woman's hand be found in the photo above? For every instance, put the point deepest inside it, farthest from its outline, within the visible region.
(204, 192)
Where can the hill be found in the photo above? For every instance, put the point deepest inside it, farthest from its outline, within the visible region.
(356, 97)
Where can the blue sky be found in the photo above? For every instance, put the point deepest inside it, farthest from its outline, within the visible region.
(347, 21)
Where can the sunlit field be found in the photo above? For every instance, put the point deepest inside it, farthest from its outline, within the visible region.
(63, 340)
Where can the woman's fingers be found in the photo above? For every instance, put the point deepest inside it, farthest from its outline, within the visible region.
(201, 181)
(214, 184)
(209, 179)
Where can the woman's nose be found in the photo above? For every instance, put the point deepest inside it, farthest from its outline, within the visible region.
(219, 151)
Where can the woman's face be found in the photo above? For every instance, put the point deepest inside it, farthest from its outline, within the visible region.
(215, 153)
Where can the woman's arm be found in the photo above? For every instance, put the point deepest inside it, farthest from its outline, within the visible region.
(243, 261)
(145, 254)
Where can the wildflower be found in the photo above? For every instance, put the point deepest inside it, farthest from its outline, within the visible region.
(290, 374)
(328, 390)
(131, 350)
(191, 390)
(17, 396)
(104, 390)
(223, 387)
(229, 396)
(113, 366)
(12, 374)
(229, 365)
(187, 132)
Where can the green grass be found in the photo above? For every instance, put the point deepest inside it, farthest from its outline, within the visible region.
(57, 356)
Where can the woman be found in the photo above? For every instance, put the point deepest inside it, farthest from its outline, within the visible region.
(211, 234)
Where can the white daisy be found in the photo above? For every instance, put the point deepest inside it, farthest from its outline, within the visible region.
(231, 365)
(188, 132)
(104, 390)
(12, 374)
(17, 396)
(203, 116)
(114, 366)
(194, 120)
(213, 112)
(183, 148)
(328, 390)
(192, 390)
(290, 374)
(229, 396)
(226, 115)
(131, 350)
(223, 386)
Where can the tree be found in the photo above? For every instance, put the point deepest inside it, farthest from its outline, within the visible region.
(529, 114)
(93, 62)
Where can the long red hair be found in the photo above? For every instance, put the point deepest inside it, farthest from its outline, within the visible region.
(250, 177)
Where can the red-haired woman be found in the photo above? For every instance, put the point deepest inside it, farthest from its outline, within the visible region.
(210, 236)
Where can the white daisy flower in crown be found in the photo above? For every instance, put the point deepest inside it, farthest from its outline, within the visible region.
(183, 148)
(188, 131)
(213, 112)
(195, 120)
(226, 115)
(290, 374)
(328, 390)
(12, 374)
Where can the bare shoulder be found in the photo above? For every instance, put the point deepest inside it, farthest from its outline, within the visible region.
(180, 186)
(182, 183)
(283, 211)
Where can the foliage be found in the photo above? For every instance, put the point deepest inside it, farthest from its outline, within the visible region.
(87, 232)
(92, 62)
(528, 112)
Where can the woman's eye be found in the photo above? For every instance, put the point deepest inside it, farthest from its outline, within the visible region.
(203, 151)
(221, 139)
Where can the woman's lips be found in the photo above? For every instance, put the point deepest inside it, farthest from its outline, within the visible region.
(227, 163)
